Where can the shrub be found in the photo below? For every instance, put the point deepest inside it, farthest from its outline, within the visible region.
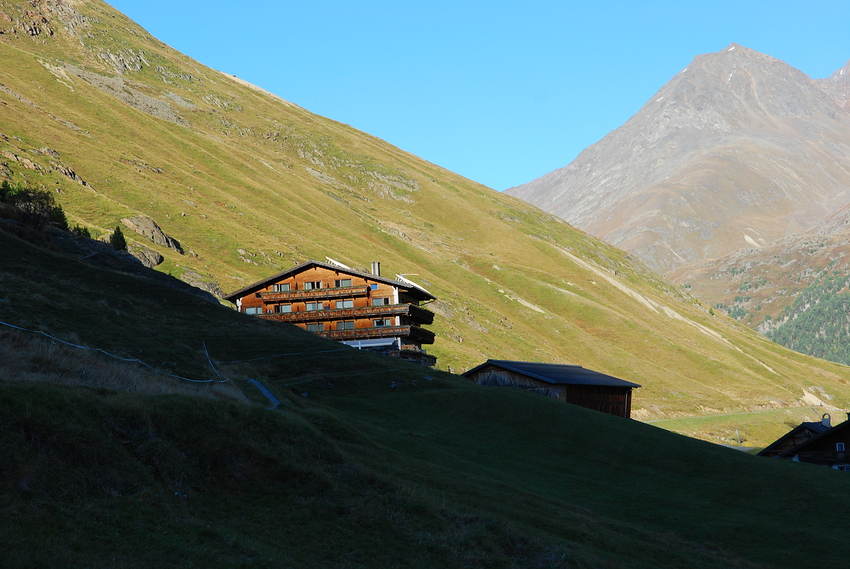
(37, 207)
(81, 231)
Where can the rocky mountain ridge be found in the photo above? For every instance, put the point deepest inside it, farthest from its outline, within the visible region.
(737, 150)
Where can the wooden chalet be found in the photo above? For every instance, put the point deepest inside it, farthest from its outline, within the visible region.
(816, 442)
(358, 308)
(570, 383)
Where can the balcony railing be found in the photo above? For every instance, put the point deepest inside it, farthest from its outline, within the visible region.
(415, 333)
(416, 313)
(315, 293)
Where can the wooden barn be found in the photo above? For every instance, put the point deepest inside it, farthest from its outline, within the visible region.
(818, 443)
(570, 383)
(358, 308)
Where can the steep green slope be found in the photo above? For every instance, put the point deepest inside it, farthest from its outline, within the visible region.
(367, 462)
(121, 125)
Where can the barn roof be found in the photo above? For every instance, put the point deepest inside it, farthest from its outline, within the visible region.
(560, 374)
(405, 285)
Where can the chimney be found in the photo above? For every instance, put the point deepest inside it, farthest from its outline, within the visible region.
(825, 420)
(376, 268)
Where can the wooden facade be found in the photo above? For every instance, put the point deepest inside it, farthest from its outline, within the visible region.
(569, 383)
(359, 308)
(818, 443)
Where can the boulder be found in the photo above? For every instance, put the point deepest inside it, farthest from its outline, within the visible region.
(147, 227)
(146, 255)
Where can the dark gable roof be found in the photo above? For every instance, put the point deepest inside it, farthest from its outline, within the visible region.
(821, 430)
(408, 286)
(560, 374)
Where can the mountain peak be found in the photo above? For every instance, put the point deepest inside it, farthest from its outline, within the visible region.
(693, 175)
(737, 47)
(838, 85)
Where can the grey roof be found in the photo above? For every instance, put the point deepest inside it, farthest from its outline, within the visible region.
(408, 286)
(817, 426)
(560, 374)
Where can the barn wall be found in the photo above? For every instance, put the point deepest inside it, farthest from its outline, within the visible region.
(496, 377)
(608, 399)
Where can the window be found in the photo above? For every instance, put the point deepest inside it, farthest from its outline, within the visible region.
(283, 308)
(346, 325)
(339, 283)
(254, 310)
(281, 287)
(312, 285)
(314, 306)
(345, 303)
(380, 301)
(383, 322)
(839, 447)
(315, 327)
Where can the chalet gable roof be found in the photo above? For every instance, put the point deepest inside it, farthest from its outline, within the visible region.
(818, 429)
(560, 374)
(815, 428)
(407, 286)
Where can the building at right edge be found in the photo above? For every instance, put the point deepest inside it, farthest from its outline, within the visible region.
(569, 383)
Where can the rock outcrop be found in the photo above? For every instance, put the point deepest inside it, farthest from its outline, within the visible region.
(147, 256)
(147, 227)
(207, 284)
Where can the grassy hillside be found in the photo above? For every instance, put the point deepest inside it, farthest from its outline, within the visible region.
(118, 125)
(367, 462)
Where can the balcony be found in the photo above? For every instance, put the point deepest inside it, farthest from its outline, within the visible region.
(315, 294)
(415, 333)
(415, 313)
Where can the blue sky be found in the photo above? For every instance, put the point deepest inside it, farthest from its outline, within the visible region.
(500, 92)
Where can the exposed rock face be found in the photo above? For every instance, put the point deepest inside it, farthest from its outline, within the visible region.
(207, 284)
(120, 88)
(147, 227)
(737, 150)
(39, 19)
(146, 255)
